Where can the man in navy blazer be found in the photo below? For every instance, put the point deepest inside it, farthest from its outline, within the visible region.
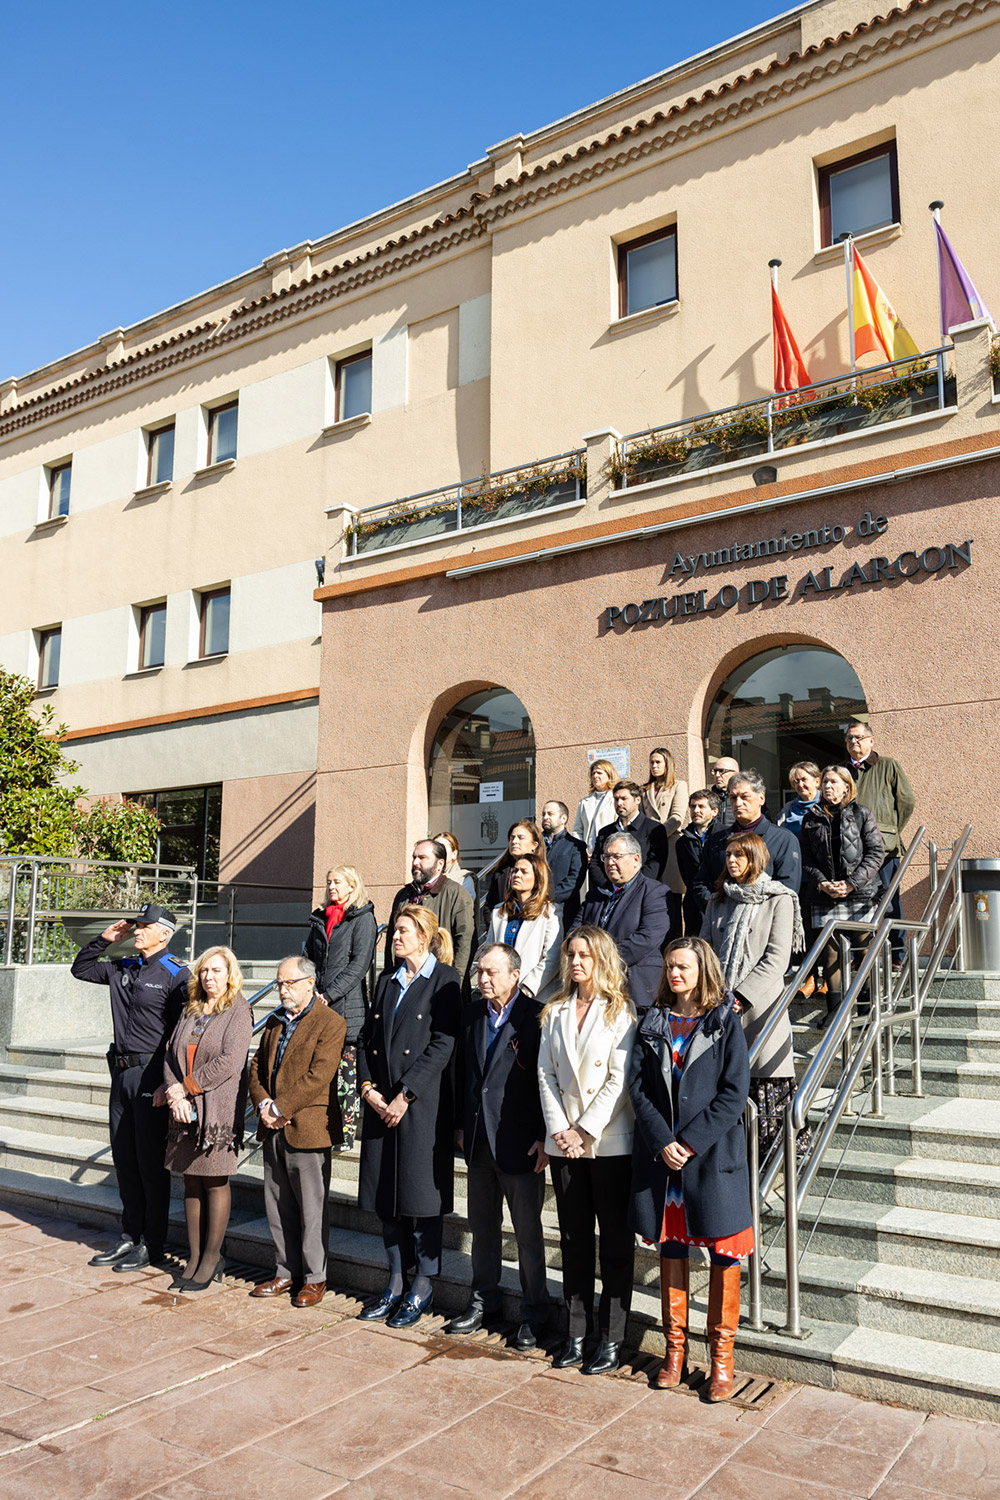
(746, 798)
(502, 1136)
(567, 857)
(632, 909)
(649, 833)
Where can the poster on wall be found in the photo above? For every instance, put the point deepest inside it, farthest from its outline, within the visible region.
(619, 756)
(491, 791)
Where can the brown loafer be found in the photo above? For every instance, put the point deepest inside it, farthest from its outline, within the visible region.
(311, 1293)
(277, 1287)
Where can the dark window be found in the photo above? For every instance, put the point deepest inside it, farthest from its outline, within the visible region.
(59, 482)
(161, 455)
(222, 432)
(190, 820)
(214, 635)
(49, 651)
(859, 193)
(354, 386)
(647, 272)
(152, 635)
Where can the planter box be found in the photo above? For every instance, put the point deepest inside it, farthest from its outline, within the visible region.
(394, 533)
(518, 505)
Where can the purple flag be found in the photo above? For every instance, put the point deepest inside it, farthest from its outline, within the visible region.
(960, 302)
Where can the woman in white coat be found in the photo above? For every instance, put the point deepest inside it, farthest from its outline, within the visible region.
(528, 921)
(587, 1035)
(598, 807)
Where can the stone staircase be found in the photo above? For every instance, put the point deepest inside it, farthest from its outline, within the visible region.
(900, 1275)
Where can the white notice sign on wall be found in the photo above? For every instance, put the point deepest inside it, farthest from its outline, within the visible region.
(491, 791)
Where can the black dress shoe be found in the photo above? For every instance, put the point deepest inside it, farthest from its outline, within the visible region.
(530, 1336)
(605, 1358)
(124, 1247)
(137, 1259)
(382, 1309)
(410, 1311)
(571, 1353)
(472, 1319)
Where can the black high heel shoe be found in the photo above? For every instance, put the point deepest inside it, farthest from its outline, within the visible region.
(203, 1286)
(382, 1309)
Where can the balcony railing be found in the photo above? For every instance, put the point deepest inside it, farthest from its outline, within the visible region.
(505, 495)
(828, 408)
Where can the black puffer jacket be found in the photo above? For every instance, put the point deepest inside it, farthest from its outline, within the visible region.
(846, 845)
(342, 963)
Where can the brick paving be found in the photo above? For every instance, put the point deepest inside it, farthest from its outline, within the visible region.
(113, 1388)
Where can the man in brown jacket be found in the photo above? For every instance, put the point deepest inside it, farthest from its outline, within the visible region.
(293, 1088)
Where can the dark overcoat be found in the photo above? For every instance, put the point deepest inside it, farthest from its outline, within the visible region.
(407, 1170)
(501, 1100)
(343, 961)
(845, 844)
(712, 1097)
(639, 923)
(568, 868)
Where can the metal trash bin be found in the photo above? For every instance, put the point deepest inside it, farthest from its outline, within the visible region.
(981, 913)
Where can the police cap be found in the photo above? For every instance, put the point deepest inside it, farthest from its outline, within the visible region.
(151, 913)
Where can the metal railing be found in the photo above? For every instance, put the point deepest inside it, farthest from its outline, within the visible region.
(751, 428)
(859, 1039)
(49, 907)
(460, 507)
(243, 907)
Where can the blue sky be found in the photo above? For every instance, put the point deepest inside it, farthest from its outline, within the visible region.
(151, 150)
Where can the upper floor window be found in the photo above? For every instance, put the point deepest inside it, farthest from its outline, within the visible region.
(647, 272)
(859, 193)
(160, 446)
(59, 482)
(354, 386)
(152, 635)
(49, 651)
(222, 432)
(214, 634)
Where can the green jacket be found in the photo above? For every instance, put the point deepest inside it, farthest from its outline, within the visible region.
(883, 786)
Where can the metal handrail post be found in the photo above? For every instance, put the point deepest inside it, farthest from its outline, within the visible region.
(916, 1005)
(32, 903)
(959, 959)
(940, 380)
(875, 991)
(770, 424)
(231, 924)
(932, 856)
(884, 972)
(8, 952)
(793, 1322)
(754, 1287)
(194, 917)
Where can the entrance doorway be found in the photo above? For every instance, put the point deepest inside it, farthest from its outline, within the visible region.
(482, 773)
(788, 704)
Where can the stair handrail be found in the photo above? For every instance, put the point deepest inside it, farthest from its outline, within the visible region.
(478, 876)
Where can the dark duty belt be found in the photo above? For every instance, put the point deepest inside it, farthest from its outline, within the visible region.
(130, 1059)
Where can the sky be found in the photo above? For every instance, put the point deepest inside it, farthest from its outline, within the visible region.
(152, 150)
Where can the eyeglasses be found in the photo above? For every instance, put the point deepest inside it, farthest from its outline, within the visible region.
(289, 984)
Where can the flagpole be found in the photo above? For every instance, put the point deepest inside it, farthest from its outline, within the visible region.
(774, 264)
(935, 209)
(849, 273)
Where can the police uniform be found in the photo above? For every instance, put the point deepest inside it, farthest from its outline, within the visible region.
(147, 996)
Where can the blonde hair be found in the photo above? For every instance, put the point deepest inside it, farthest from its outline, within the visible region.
(610, 771)
(451, 843)
(197, 999)
(359, 896)
(610, 974)
(846, 778)
(437, 939)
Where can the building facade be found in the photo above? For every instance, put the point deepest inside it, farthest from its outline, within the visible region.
(523, 419)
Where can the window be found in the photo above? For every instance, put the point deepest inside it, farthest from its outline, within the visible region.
(354, 386)
(214, 635)
(859, 193)
(152, 635)
(190, 823)
(161, 455)
(49, 651)
(59, 482)
(647, 272)
(222, 432)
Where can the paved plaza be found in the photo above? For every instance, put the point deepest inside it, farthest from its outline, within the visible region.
(112, 1388)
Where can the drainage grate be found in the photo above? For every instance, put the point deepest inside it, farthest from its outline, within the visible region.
(751, 1392)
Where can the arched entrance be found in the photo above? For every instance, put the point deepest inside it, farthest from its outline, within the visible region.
(787, 704)
(482, 773)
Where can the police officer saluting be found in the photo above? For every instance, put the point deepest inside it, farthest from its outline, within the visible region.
(147, 994)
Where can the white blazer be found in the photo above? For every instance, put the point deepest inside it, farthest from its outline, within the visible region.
(581, 1079)
(594, 811)
(538, 942)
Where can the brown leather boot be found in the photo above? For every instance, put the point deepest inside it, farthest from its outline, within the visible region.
(675, 1277)
(723, 1321)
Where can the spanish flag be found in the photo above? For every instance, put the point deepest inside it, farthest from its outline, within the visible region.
(789, 367)
(877, 326)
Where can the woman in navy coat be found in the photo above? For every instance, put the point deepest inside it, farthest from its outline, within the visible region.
(689, 1078)
(407, 1132)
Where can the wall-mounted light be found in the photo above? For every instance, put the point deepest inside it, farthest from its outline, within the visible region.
(320, 566)
(766, 474)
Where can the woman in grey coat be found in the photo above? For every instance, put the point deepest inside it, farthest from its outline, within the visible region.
(205, 1089)
(753, 924)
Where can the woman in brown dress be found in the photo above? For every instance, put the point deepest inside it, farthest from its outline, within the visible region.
(204, 1087)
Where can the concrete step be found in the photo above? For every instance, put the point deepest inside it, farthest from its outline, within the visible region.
(967, 1080)
(958, 1244)
(70, 1118)
(915, 1372)
(951, 1044)
(54, 1083)
(912, 1182)
(87, 1055)
(949, 1130)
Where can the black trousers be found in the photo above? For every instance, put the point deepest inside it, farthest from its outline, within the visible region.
(593, 1195)
(138, 1148)
(525, 1195)
(413, 1244)
(885, 875)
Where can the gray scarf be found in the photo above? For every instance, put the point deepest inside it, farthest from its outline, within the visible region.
(734, 955)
